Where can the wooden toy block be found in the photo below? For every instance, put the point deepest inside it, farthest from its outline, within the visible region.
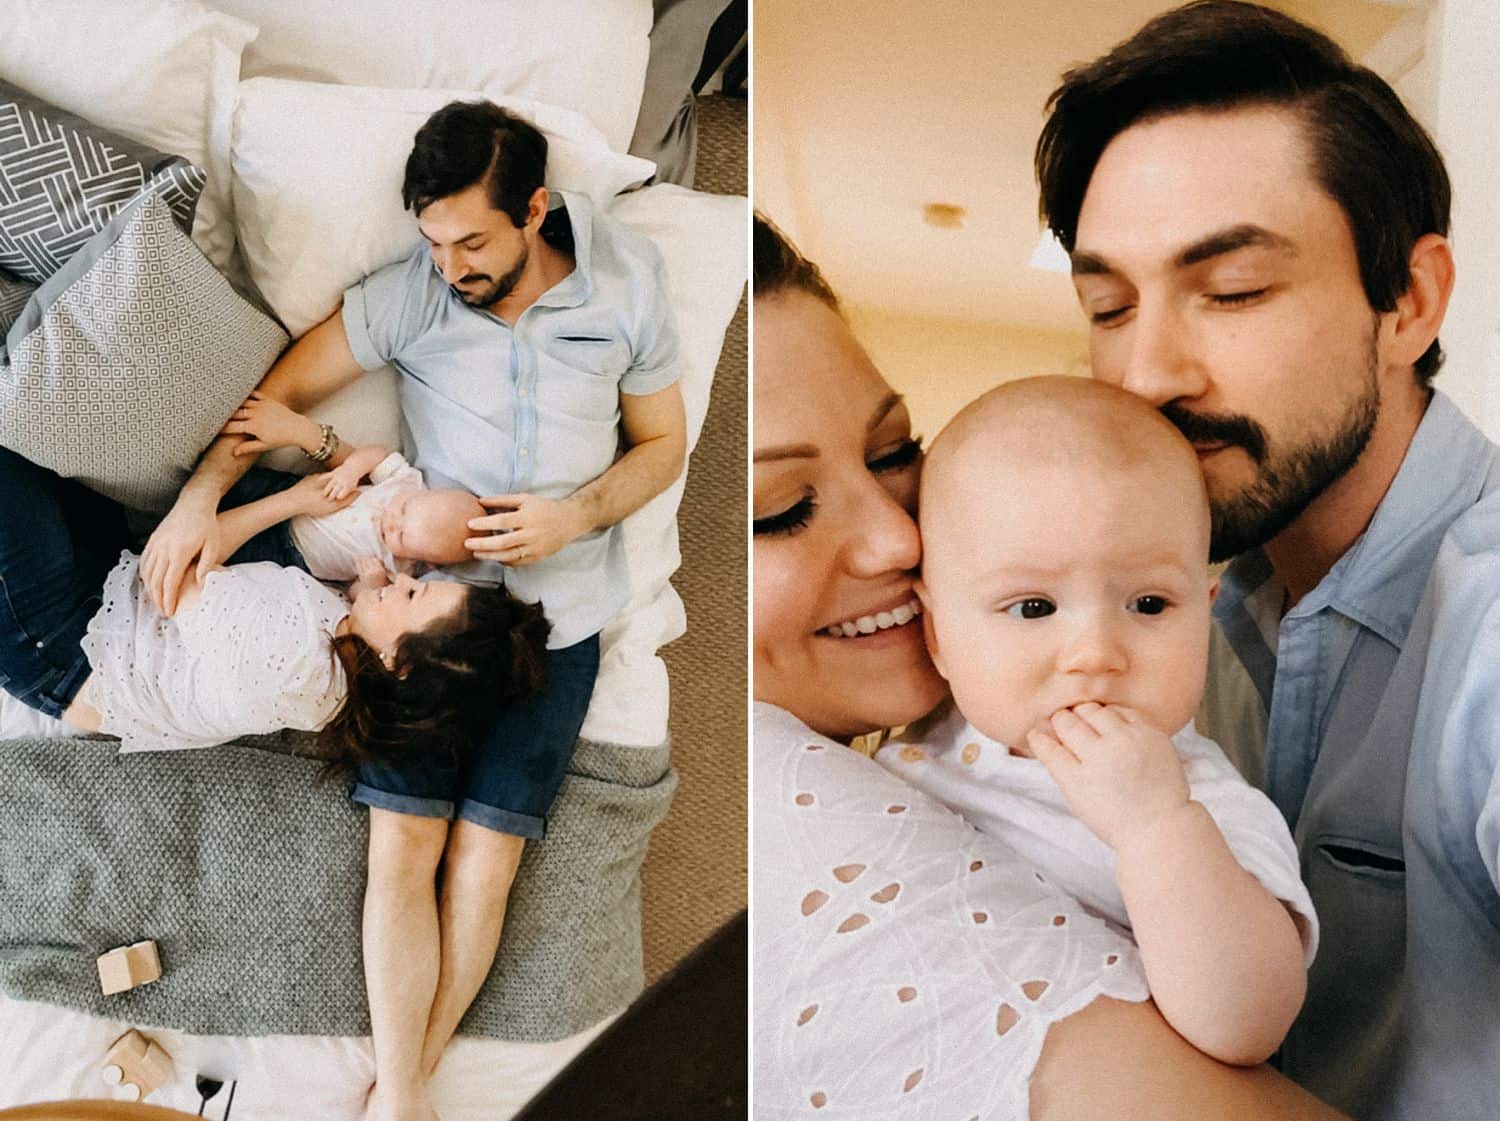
(136, 1065)
(129, 966)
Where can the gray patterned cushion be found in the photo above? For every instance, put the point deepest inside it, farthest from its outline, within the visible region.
(127, 362)
(13, 296)
(62, 179)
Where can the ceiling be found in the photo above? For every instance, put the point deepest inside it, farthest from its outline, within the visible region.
(865, 111)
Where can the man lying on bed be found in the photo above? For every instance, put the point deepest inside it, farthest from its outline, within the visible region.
(530, 342)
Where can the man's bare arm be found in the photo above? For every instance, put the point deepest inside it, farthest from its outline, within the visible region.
(529, 528)
(314, 366)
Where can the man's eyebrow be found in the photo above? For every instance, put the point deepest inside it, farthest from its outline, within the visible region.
(786, 451)
(455, 241)
(1244, 236)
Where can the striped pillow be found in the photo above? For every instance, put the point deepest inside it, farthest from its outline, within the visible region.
(62, 179)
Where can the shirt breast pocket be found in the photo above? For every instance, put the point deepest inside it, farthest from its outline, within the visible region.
(598, 355)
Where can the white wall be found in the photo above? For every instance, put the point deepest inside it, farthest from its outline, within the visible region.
(1464, 37)
(940, 365)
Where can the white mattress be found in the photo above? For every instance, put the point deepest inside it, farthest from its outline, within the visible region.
(49, 1053)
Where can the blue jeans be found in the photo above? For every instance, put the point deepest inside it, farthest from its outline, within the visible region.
(58, 542)
(515, 770)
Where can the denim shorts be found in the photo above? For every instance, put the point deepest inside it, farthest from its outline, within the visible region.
(58, 542)
(509, 781)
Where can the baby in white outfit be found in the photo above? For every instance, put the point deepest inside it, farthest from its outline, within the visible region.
(335, 523)
(1066, 589)
(394, 517)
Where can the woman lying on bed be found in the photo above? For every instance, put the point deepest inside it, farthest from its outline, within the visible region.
(254, 647)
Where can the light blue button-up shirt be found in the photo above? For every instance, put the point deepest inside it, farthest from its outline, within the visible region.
(533, 408)
(1374, 725)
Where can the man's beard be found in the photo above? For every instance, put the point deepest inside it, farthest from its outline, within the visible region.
(497, 291)
(1286, 483)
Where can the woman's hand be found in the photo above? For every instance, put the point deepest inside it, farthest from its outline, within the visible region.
(188, 535)
(310, 494)
(266, 424)
(1118, 774)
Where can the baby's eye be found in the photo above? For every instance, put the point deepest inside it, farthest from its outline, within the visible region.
(1033, 607)
(1149, 605)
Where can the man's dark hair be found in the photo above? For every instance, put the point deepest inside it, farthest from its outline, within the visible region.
(779, 267)
(1368, 153)
(465, 142)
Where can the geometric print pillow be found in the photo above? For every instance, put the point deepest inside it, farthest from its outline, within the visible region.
(13, 296)
(126, 363)
(62, 178)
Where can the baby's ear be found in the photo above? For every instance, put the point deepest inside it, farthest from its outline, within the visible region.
(928, 632)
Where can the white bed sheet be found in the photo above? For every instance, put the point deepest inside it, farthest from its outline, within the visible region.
(50, 1054)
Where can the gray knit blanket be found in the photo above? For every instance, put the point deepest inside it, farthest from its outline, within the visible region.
(248, 871)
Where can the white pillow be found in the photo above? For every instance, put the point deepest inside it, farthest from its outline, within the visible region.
(585, 55)
(704, 240)
(317, 181)
(162, 72)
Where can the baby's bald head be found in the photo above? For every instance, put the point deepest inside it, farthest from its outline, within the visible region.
(1065, 558)
(1026, 437)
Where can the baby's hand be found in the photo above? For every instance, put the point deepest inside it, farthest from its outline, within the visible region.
(312, 497)
(371, 571)
(342, 481)
(1118, 774)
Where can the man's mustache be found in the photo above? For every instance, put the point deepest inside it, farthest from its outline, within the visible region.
(1202, 429)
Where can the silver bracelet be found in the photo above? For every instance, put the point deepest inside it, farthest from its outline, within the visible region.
(329, 445)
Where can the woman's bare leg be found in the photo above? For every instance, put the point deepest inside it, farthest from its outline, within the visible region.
(478, 869)
(401, 948)
(1123, 1061)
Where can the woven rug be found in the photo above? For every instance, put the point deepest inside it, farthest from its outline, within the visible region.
(695, 875)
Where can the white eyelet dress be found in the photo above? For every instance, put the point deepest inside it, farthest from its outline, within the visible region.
(907, 967)
(252, 655)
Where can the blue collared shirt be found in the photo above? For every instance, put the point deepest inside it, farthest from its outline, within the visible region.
(532, 408)
(1372, 717)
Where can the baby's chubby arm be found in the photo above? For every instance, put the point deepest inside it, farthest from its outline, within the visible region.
(1222, 954)
(343, 479)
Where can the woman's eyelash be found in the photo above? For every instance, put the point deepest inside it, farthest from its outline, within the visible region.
(904, 455)
(789, 520)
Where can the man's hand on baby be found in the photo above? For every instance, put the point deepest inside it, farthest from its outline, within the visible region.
(266, 423)
(528, 529)
(1119, 775)
(313, 499)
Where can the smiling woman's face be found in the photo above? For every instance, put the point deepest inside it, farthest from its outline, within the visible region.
(835, 544)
